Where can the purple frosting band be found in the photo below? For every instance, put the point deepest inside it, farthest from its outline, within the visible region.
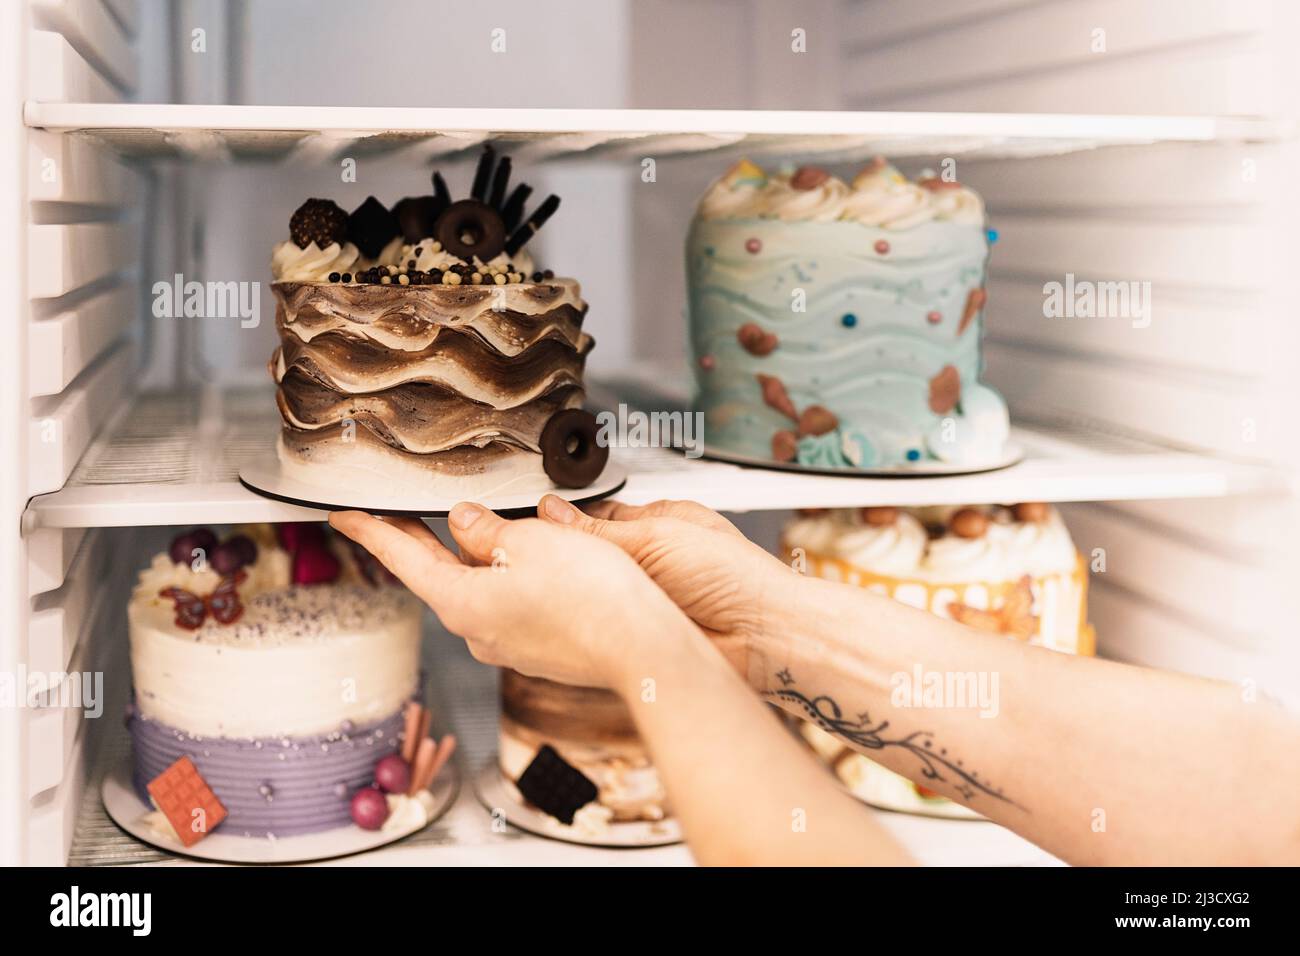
(274, 786)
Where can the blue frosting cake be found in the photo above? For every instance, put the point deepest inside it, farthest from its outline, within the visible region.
(838, 325)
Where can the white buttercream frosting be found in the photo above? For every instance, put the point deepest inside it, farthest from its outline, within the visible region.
(299, 660)
(289, 263)
(1007, 550)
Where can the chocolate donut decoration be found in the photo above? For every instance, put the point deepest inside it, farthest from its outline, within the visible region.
(571, 455)
(471, 229)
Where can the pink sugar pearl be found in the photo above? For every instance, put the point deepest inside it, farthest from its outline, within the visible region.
(753, 246)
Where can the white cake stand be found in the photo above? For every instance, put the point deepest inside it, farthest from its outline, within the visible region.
(500, 796)
(265, 477)
(129, 812)
(1012, 454)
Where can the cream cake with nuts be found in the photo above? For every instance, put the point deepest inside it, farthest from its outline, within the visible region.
(1012, 571)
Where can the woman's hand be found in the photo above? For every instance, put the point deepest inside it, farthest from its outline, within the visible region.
(543, 599)
(733, 589)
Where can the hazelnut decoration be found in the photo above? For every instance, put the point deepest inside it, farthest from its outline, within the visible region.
(571, 455)
(969, 523)
(808, 177)
(817, 420)
(880, 517)
(755, 340)
(1031, 511)
(785, 445)
(945, 390)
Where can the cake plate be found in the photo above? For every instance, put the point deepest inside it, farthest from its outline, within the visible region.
(1012, 454)
(129, 812)
(266, 478)
(500, 796)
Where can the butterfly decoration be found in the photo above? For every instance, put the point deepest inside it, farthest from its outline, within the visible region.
(1015, 618)
(223, 603)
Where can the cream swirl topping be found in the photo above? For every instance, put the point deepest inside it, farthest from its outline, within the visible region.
(891, 549)
(289, 263)
(879, 196)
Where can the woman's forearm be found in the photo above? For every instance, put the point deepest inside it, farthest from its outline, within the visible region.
(1095, 761)
(745, 791)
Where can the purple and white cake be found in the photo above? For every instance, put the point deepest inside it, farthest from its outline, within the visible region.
(280, 661)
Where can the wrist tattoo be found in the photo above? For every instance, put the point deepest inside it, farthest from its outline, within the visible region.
(862, 733)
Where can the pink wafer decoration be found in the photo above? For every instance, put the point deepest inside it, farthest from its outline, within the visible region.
(423, 762)
(413, 736)
(426, 718)
(446, 747)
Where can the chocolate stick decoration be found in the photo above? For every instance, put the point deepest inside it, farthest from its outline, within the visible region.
(534, 223)
(513, 210)
(440, 191)
(499, 183)
(483, 173)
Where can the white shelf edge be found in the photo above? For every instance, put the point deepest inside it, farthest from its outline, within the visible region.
(216, 132)
(73, 116)
(1084, 477)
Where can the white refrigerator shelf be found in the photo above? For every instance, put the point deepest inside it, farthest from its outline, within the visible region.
(173, 459)
(305, 133)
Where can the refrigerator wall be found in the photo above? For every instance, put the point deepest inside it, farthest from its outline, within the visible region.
(1195, 584)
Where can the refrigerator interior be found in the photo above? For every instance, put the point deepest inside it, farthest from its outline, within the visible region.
(1112, 141)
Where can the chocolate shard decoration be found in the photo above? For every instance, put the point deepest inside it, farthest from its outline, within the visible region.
(500, 180)
(483, 173)
(371, 227)
(513, 211)
(535, 222)
(441, 192)
(555, 786)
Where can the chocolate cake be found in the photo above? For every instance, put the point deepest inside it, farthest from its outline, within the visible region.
(422, 348)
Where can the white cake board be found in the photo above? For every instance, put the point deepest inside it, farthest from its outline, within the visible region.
(1012, 454)
(499, 795)
(266, 478)
(128, 811)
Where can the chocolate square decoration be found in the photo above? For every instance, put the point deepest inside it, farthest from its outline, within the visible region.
(184, 797)
(371, 227)
(554, 786)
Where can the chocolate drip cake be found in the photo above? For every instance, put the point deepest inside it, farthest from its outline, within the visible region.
(421, 347)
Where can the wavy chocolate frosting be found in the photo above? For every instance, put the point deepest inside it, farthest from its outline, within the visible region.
(451, 380)
(457, 362)
(509, 318)
(332, 446)
(417, 417)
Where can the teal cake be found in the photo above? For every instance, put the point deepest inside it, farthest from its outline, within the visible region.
(837, 325)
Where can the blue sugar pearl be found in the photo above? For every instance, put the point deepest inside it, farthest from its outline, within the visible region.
(913, 455)
(848, 320)
(993, 236)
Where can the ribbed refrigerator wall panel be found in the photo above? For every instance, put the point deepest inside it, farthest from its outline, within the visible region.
(68, 368)
(1192, 586)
